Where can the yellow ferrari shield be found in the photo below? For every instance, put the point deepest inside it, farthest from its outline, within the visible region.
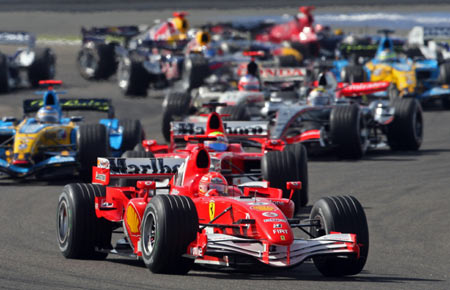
(212, 209)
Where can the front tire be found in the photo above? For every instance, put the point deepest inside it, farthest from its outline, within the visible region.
(346, 215)
(301, 196)
(279, 167)
(169, 225)
(79, 232)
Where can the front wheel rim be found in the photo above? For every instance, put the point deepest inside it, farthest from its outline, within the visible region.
(63, 222)
(149, 234)
(123, 75)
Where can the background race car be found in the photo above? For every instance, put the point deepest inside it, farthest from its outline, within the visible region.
(36, 62)
(51, 144)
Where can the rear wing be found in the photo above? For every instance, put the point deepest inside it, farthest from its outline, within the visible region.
(17, 38)
(101, 33)
(148, 168)
(277, 74)
(419, 34)
(364, 50)
(233, 129)
(92, 104)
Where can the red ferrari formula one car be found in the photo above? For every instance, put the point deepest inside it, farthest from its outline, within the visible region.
(241, 150)
(198, 218)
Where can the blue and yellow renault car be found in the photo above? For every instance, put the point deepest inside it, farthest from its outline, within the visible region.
(387, 59)
(50, 144)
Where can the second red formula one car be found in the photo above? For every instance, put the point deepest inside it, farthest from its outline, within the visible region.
(197, 217)
(242, 151)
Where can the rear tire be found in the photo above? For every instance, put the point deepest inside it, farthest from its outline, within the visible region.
(237, 113)
(4, 74)
(286, 61)
(348, 131)
(175, 106)
(78, 230)
(133, 154)
(132, 78)
(353, 74)
(97, 61)
(92, 142)
(406, 130)
(445, 100)
(43, 66)
(195, 70)
(346, 215)
(132, 134)
(169, 225)
(444, 73)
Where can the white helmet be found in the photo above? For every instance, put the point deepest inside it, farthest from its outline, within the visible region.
(319, 97)
(249, 83)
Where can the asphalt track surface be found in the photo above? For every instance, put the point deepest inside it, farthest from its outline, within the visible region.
(405, 196)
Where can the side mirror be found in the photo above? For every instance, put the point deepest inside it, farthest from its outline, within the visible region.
(145, 184)
(293, 185)
(76, 119)
(296, 185)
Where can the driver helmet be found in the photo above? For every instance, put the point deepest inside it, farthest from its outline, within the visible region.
(249, 83)
(180, 22)
(218, 145)
(47, 114)
(319, 97)
(213, 180)
(387, 55)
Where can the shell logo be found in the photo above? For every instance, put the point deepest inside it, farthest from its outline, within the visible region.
(133, 220)
(263, 208)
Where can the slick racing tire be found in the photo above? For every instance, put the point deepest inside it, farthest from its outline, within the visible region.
(348, 131)
(393, 92)
(78, 230)
(286, 61)
(353, 74)
(169, 225)
(279, 167)
(445, 100)
(43, 66)
(4, 74)
(97, 61)
(175, 105)
(133, 154)
(236, 113)
(342, 214)
(132, 78)
(132, 134)
(92, 142)
(300, 197)
(444, 73)
(406, 130)
(195, 70)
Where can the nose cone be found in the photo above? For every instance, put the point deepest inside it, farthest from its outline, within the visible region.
(272, 224)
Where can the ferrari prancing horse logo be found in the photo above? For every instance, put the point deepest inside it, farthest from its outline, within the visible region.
(212, 209)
